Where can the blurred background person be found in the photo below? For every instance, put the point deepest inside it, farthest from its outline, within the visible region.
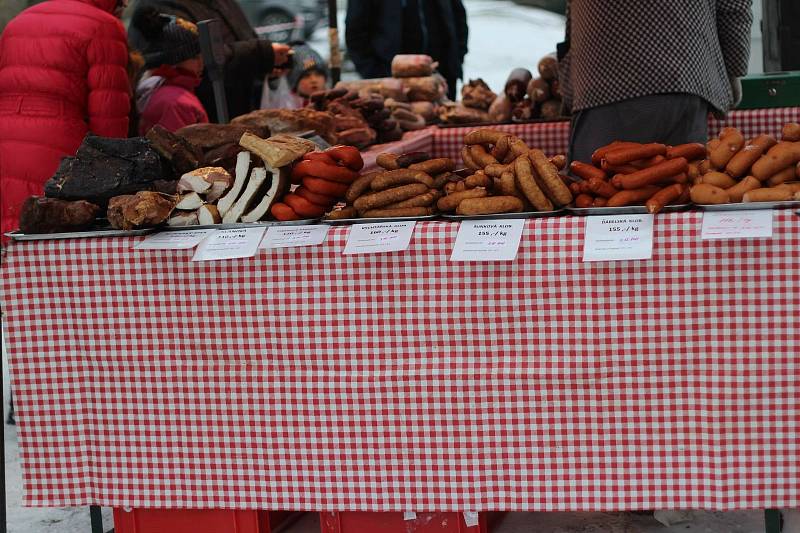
(377, 30)
(166, 97)
(249, 59)
(308, 75)
(55, 90)
(648, 71)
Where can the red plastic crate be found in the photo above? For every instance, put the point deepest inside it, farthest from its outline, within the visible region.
(366, 522)
(196, 521)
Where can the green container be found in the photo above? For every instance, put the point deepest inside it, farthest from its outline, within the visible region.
(771, 89)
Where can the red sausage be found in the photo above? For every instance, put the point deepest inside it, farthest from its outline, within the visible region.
(600, 202)
(303, 207)
(601, 152)
(282, 211)
(321, 186)
(319, 156)
(583, 200)
(602, 188)
(348, 156)
(652, 175)
(689, 151)
(322, 200)
(318, 169)
(618, 169)
(665, 196)
(620, 156)
(587, 172)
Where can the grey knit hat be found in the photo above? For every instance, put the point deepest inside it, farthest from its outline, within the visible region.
(170, 39)
(306, 60)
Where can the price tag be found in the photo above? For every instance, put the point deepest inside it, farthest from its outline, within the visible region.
(751, 224)
(377, 238)
(488, 240)
(229, 244)
(618, 238)
(174, 240)
(409, 515)
(471, 519)
(292, 236)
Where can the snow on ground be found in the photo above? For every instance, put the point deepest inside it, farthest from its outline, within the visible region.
(503, 36)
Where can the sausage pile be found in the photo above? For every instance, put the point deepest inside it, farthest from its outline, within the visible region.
(408, 186)
(506, 176)
(627, 173)
(323, 179)
(760, 170)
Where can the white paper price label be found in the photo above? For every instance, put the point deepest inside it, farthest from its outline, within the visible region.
(292, 236)
(618, 238)
(471, 519)
(409, 515)
(174, 240)
(488, 240)
(751, 224)
(378, 238)
(229, 244)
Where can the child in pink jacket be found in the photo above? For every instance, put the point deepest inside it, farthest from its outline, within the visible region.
(166, 96)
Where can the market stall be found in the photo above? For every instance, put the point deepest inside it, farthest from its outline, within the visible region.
(306, 379)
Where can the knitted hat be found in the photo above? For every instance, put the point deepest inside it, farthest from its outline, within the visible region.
(306, 60)
(170, 40)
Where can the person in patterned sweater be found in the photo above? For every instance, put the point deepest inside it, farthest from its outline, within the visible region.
(650, 71)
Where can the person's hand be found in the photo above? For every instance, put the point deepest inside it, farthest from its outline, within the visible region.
(281, 53)
(736, 89)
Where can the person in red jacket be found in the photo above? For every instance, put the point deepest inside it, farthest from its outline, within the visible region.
(62, 75)
(166, 97)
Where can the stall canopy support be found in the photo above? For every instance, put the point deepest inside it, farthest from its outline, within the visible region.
(773, 521)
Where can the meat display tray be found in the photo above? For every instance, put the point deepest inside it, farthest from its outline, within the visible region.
(350, 221)
(746, 206)
(239, 225)
(19, 236)
(504, 216)
(627, 210)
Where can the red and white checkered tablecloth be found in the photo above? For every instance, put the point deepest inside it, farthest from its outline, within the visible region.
(304, 379)
(553, 137)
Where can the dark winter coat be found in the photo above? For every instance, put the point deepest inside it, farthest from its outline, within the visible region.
(374, 33)
(62, 74)
(249, 59)
(623, 50)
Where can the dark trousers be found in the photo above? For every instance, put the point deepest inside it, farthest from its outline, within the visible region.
(664, 118)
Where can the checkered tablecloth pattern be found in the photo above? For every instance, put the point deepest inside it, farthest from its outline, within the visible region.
(553, 137)
(304, 379)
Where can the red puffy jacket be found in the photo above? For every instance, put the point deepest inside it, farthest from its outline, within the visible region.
(62, 74)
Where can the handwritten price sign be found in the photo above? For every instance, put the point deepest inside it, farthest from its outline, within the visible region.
(379, 238)
(488, 240)
(752, 224)
(618, 238)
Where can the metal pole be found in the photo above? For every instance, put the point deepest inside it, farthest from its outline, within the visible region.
(333, 37)
(3, 517)
(773, 521)
(96, 517)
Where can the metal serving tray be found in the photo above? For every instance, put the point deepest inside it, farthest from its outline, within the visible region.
(502, 216)
(350, 221)
(18, 236)
(628, 210)
(239, 225)
(746, 206)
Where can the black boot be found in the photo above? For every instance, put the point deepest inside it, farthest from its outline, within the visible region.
(10, 418)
